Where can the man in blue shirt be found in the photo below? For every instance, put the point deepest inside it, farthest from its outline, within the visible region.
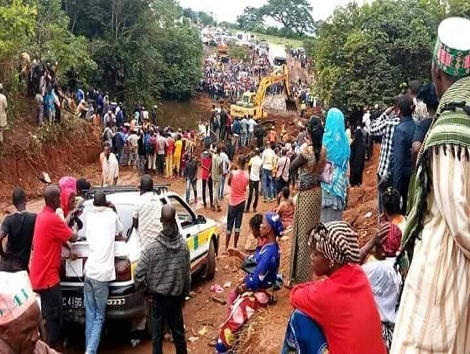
(402, 162)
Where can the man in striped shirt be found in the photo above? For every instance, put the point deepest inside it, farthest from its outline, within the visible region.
(384, 126)
(147, 213)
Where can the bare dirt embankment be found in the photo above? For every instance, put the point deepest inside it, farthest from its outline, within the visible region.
(60, 149)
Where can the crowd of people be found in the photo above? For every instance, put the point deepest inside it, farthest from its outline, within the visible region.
(404, 291)
(230, 80)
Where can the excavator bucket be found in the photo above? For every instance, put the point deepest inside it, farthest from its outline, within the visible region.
(291, 105)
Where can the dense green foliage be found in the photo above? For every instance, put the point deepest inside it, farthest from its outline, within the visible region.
(39, 28)
(199, 17)
(295, 17)
(134, 49)
(141, 48)
(362, 55)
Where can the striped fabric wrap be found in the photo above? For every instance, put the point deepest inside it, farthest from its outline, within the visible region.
(337, 241)
(451, 129)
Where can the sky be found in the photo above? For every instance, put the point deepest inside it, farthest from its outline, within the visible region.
(229, 10)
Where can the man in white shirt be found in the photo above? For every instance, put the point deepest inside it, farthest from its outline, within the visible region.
(251, 129)
(110, 167)
(147, 213)
(3, 113)
(254, 168)
(282, 171)
(366, 126)
(243, 132)
(225, 170)
(103, 226)
(267, 161)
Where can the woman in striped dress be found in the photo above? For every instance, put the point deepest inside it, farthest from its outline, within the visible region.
(308, 207)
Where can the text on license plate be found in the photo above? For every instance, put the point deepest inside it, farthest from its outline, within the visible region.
(74, 302)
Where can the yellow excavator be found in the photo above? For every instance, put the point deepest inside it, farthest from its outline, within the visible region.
(252, 102)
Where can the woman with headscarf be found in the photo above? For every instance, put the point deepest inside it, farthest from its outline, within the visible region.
(358, 156)
(337, 312)
(338, 151)
(383, 276)
(309, 198)
(68, 192)
(253, 292)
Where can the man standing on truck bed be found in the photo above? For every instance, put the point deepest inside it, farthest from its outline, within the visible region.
(164, 271)
(50, 233)
(147, 213)
(103, 226)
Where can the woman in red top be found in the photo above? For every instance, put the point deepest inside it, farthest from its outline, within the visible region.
(340, 306)
(238, 181)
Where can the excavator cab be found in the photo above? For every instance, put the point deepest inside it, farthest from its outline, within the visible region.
(247, 99)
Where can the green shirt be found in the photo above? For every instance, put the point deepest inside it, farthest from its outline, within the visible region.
(216, 168)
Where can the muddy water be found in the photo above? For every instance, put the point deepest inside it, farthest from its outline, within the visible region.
(181, 114)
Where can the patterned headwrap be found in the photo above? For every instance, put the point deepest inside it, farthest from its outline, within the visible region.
(391, 244)
(337, 241)
(16, 295)
(452, 50)
(274, 221)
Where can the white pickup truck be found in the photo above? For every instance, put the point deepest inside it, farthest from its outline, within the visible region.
(125, 303)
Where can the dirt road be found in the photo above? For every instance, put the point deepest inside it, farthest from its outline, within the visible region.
(202, 316)
(200, 313)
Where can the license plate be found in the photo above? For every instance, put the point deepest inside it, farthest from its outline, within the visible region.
(73, 302)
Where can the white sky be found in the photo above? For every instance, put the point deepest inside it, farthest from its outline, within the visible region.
(229, 10)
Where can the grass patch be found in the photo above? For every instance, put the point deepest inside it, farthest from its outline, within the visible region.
(292, 43)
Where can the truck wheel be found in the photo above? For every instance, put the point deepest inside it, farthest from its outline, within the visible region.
(209, 269)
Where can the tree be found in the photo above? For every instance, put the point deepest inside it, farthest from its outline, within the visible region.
(250, 19)
(142, 49)
(293, 14)
(17, 20)
(206, 19)
(363, 54)
(54, 42)
(190, 14)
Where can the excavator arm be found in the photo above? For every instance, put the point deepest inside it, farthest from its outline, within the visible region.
(280, 75)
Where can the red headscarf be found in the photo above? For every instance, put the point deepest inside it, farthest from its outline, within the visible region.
(391, 244)
(68, 190)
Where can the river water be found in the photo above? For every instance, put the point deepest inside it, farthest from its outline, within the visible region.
(181, 114)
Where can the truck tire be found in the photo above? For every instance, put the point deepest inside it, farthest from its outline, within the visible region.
(209, 269)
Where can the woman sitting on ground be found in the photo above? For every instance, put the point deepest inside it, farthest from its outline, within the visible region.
(337, 312)
(383, 276)
(286, 208)
(252, 293)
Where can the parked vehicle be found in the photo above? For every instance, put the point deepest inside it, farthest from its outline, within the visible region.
(125, 303)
